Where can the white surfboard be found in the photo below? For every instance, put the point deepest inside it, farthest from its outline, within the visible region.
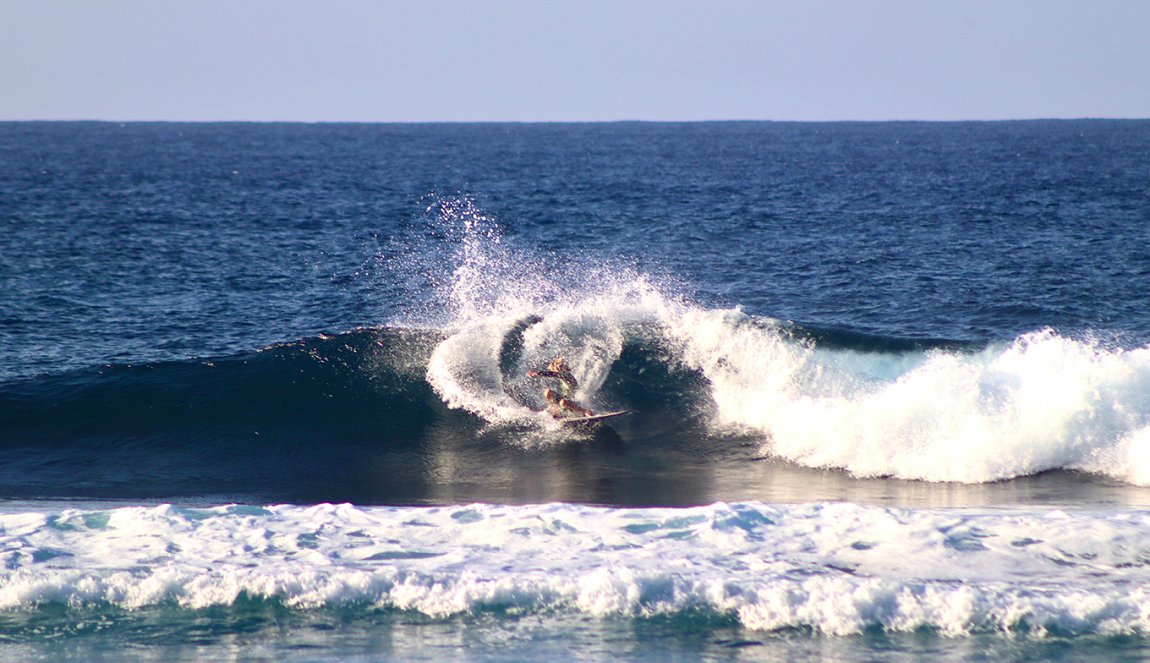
(569, 421)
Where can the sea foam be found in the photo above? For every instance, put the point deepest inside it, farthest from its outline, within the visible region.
(834, 568)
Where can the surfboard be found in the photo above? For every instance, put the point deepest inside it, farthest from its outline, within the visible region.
(595, 418)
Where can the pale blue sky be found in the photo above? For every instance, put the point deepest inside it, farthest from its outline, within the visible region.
(449, 60)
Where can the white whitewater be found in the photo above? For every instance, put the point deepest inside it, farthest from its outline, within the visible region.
(834, 568)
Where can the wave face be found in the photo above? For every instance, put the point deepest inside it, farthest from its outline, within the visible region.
(834, 569)
(407, 413)
(290, 415)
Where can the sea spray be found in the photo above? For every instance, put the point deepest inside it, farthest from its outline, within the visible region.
(1041, 402)
(581, 310)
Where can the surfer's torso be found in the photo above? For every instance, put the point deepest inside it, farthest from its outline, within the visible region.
(567, 383)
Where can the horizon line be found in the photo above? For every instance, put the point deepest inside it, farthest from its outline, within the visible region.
(612, 121)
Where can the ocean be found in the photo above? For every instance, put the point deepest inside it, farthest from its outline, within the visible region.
(264, 391)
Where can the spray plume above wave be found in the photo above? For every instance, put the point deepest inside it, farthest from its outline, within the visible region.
(1015, 408)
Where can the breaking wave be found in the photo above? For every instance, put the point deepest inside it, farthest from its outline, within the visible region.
(832, 568)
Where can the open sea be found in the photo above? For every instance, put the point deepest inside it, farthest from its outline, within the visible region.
(263, 391)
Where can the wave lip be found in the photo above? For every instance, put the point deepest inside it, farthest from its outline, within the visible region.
(833, 568)
(1042, 402)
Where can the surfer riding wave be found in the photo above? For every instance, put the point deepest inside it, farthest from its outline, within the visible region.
(559, 399)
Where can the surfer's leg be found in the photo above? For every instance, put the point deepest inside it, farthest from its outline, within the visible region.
(554, 402)
(572, 406)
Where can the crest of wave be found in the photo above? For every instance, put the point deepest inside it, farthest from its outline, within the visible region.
(1039, 403)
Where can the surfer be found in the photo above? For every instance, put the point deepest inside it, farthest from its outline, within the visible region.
(560, 401)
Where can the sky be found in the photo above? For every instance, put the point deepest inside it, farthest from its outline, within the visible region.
(586, 60)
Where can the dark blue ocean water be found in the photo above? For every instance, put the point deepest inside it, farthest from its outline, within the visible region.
(162, 241)
(902, 315)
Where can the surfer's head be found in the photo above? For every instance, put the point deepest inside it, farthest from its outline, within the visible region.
(559, 364)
